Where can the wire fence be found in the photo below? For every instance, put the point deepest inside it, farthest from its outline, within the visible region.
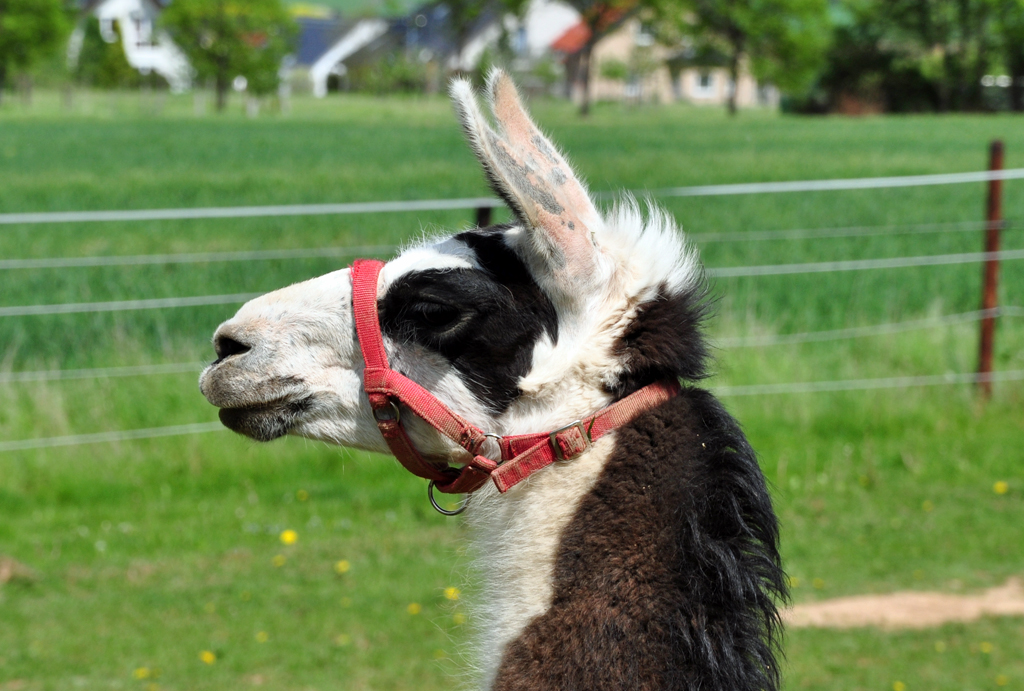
(715, 272)
(489, 203)
(725, 391)
(723, 342)
(378, 250)
(32, 218)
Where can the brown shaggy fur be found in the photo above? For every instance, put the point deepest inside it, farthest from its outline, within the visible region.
(668, 575)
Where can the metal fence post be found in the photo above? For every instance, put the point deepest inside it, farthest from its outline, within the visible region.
(989, 299)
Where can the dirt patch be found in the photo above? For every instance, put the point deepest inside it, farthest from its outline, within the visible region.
(909, 609)
(12, 571)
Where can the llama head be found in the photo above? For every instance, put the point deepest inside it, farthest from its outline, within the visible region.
(517, 328)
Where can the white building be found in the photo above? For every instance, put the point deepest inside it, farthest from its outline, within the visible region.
(145, 48)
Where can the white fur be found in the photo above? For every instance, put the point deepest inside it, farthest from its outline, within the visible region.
(516, 541)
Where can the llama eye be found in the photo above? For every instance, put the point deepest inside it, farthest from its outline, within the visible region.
(434, 315)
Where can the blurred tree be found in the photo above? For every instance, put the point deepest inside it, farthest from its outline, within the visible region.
(224, 39)
(952, 43)
(782, 41)
(1011, 29)
(101, 64)
(599, 18)
(29, 29)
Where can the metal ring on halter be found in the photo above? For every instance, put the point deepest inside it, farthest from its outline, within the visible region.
(446, 512)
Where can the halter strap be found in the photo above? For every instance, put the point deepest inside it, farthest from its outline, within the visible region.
(521, 455)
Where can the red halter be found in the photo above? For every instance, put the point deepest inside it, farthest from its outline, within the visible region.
(521, 455)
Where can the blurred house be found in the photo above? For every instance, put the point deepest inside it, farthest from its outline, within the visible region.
(132, 22)
(432, 35)
(628, 64)
(324, 45)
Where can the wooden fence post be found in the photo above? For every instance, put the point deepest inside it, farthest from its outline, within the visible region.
(989, 301)
(483, 216)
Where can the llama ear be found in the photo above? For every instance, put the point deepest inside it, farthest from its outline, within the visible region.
(524, 168)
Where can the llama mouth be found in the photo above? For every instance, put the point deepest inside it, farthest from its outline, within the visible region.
(267, 421)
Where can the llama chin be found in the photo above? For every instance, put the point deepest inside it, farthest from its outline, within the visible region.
(649, 559)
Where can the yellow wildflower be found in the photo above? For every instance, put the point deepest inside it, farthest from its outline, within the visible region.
(142, 673)
(458, 618)
(342, 566)
(414, 608)
(985, 647)
(1001, 487)
(302, 495)
(452, 593)
(279, 560)
(794, 582)
(818, 583)
(899, 686)
(289, 537)
(1002, 680)
(262, 637)
(208, 656)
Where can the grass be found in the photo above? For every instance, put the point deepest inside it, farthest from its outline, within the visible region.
(145, 554)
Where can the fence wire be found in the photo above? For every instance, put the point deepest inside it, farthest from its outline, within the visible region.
(867, 384)
(866, 331)
(723, 342)
(194, 257)
(748, 390)
(720, 272)
(490, 202)
(379, 250)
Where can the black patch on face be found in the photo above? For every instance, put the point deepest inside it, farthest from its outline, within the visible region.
(664, 341)
(668, 575)
(484, 321)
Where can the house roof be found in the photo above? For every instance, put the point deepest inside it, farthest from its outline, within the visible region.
(575, 37)
(90, 5)
(317, 36)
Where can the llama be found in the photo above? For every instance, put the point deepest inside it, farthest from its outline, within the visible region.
(635, 549)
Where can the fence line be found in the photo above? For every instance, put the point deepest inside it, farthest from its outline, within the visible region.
(249, 211)
(867, 384)
(100, 372)
(125, 305)
(330, 252)
(748, 390)
(842, 232)
(840, 184)
(490, 202)
(865, 264)
(192, 257)
(722, 272)
(101, 437)
(728, 342)
(863, 331)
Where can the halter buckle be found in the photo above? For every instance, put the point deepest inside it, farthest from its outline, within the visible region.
(576, 446)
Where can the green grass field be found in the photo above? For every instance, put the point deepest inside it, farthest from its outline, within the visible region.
(146, 554)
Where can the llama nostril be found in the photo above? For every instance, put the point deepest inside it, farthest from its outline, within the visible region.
(227, 346)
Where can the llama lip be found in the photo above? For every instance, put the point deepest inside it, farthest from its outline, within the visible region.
(267, 421)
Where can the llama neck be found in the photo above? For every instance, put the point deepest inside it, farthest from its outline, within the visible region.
(651, 561)
(516, 537)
